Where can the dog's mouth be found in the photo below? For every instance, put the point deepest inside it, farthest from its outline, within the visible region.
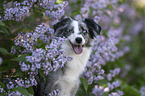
(78, 49)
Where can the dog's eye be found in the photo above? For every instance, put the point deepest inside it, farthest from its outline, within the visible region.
(84, 32)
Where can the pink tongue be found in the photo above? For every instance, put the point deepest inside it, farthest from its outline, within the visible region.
(78, 49)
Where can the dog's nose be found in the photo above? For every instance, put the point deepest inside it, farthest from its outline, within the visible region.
(79, 40)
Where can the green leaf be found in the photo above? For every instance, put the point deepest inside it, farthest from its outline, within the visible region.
(19, 73)
(85, 84)
(129, 90)
(2, 24)
(31, 91)
(2, 85)
(42, 75)
(22, 90)
(105, 33)
(105, 94)
(21, 58)
(4, 51)
(2, 94)
(102, 82)
(110, 7)
(4, 30)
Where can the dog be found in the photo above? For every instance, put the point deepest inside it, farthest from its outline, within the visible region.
(80, 35)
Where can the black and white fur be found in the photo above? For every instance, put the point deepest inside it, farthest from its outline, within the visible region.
(80, 35)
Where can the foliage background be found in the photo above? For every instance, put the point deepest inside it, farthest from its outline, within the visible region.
(132, 65)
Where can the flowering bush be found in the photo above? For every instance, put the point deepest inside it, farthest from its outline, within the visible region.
(34, 48)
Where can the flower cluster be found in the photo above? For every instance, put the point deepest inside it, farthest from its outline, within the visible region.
(99, 90)
(26, 82)
(1, 90)
(54, 93)
(43, 51)
(14, 93)
(57, 12)
(142, 91)
(44, 48)
(47, 4)
(112, 74)
(118, 93)
(115, 84)
(17, 10)
(105, 48)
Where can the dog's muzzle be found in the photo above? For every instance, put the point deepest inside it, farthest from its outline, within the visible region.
(78, 46)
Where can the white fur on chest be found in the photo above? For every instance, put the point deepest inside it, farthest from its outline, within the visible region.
(73, 69)
(76, 67)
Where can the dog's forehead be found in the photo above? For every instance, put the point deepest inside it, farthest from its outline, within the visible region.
(77, 25)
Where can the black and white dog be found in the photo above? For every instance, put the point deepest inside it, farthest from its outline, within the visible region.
(80, 35)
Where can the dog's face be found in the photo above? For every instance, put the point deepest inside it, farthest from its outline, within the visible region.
(79, 33)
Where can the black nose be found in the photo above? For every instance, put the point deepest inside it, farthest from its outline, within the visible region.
(79, 40)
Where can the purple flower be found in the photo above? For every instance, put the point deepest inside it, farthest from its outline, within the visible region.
(54, 93)
(142, 91)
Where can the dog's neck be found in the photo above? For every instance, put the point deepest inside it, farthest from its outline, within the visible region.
(74, 68)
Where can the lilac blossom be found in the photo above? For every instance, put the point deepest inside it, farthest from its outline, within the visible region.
(57, 12)
(47, 4)
(10, 85)
(14, 93)
(104, 50)
(142, 91)
(98, 90)
(1, 90)
(18, 10)
(112, 74)
(118, 93)
(27, 82)
(54, 93)
(49, 58)
(113, 85)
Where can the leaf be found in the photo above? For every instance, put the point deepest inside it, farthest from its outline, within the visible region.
(2, 24)
(4, 51)
(2, 85)
(110, 6)
(85, 84)
(102, 82)
(2, 94)
(4, 30)
(1, 4)
(42, 75)
(105, 94)
(105, 33)
(22, 90)
(21, 58)
(129, 90)
(31, 91)
(19, 73)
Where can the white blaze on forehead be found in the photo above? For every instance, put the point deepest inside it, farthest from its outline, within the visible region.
(76, 34)
(75, 24)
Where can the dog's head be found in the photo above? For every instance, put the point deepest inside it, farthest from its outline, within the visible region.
(79, 33)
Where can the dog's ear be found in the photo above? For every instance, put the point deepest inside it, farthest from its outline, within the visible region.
(60, 27)
(93, 27)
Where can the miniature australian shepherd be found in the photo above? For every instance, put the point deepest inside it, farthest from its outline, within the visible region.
(80, 35)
